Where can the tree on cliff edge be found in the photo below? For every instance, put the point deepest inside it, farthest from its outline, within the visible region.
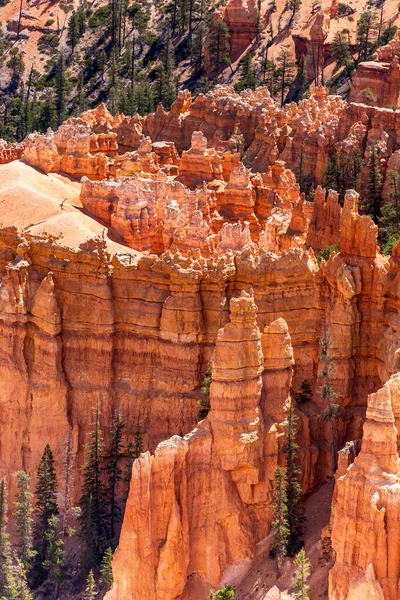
(93, 517)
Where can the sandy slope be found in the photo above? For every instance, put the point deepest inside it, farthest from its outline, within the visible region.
(41, 203)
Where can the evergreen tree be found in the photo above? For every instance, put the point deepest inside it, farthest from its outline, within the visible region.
(295, 512)
(219, 46)
(132, 452)
(301, 575)
(113, 470)
(106, 574)
(328, 394)
(19, 589)
(45, 501)
(280, 525)
(90, 590)
(93, 517)
(23, 519)
(332, 174)
(204, 403)
(285, 72)
(341, 52)
(305, 394)
(390, 214)
(60, 89)
(54, 563)
(248, 79)
(373, 198)
(366, 27)
(6, 575)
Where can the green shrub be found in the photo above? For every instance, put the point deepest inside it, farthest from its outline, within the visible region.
(326, 252)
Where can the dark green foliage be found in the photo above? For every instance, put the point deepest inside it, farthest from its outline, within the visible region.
(23, 519)
(132, 452)
(285, 72)
(305, 393)
(301, 576)
(328, 394)
(248, 79)
(390, 214)
(204, 403)
(342, 172)
(373, 198)
(280, 526)
(93, 518)
(114, 472)
(218, 46)
(295, 511)
(106, 574)
(366, 34)
(327, 252)
(45, 505)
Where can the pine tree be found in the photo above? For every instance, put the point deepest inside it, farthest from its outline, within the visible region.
(295, 512)
(285, 71)
(54, 563)
(45, 501)
(301, 575)
(280, 526)
(6, 575)
(93, 517)
(60, 89)
(219, 46)
(248, 79)
(341, 52)
(113, 470)
(90, 590)
(366, 27)
(23, 519)
(106, 574)
(332, 174)
(19, 589)
(373, 197)
(328, 394)
(204, 403)
(132, 452)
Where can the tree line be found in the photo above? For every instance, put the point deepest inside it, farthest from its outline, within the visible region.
(42, 555)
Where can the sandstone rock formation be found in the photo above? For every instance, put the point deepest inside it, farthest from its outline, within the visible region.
(209, 493)
(379, 81)
(367, 508)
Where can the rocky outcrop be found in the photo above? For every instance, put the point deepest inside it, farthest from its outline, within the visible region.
(10, 151)
(212, 488)
(378, 82)
(367, 508)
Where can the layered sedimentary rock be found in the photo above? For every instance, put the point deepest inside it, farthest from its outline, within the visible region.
(10, 151)
(211, 489)
(366, 512)
(379, 81)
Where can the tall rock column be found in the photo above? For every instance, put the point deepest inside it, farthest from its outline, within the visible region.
(366, 513)
(202, 503)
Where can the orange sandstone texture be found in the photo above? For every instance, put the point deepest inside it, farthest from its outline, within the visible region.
(366, 512)
(202, 502)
